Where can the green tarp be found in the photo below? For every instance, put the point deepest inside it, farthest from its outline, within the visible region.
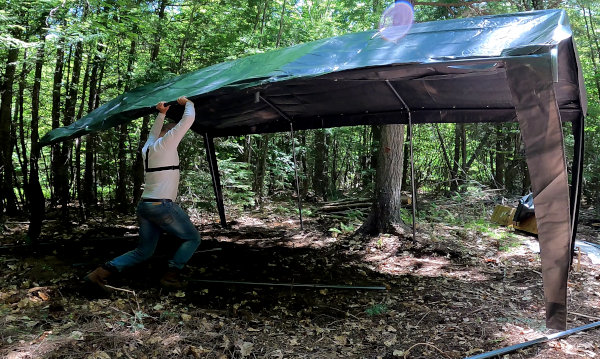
(516, 67)
(339, 81)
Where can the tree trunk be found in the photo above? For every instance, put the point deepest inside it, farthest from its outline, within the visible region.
(385, 213)
(123, 203)
(463, 152)
(445, 156)
(89, 189)
(320, 166)
(304, 179)
(261, 168)
(138, 166)
(7, 194)
(454, 171)
(331, 142)
(281, 24)
(56, 106)
(62, 179)
(35, 195)
(19, 115)
(500, 163)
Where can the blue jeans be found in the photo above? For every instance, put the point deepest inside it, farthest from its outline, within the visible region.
(154, 218)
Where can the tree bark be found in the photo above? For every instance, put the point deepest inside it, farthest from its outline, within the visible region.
(7, 196)
(500, 163)
(320, 165)
(61, 180)
(260, 169)
(19, 115)
(123, 203)
(56, 106)
(385, 212)
(281, 24)
(89, 193)
(35, 195)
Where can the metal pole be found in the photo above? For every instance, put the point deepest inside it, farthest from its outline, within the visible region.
(291, 285)
(576, 178)
(293, 152)
(512, 348)
(216, 179)
(412, 162)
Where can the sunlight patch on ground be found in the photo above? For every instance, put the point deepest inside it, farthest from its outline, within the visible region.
(382, 253)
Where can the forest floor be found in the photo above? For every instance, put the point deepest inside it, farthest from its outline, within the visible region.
(464, 287)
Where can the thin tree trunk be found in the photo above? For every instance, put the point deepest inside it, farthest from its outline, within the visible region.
(463, 152)
(56, 106)
(20, 114)
(304, 183)
(123, 204)
(35, 194)
(281, 24)
(320, 166)
(332, 143)
(89, 189)
(454, 171)
(593, 40)
(445, 156)
(500, 164)
(7, 195)
(264, 17)
(62, 181)
(261, 166)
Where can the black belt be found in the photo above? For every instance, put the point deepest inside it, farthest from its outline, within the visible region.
(165, 168)
(156, 200)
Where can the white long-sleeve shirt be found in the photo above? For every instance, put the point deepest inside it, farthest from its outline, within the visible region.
(163, 152)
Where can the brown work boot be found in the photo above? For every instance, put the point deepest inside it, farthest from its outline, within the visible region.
(98, 277)
(172, 279)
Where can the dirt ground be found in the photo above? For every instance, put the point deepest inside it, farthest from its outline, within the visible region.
(464, 287)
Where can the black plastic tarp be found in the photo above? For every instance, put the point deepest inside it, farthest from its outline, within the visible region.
(516, 67)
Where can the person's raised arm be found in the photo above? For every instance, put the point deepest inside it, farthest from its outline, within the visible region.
(175, 134)
(160, 119)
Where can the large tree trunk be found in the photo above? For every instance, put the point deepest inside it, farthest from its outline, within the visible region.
(7, 195)
(385, 213)
(35, 194)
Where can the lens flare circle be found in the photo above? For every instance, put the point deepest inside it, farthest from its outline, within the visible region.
(396, 20)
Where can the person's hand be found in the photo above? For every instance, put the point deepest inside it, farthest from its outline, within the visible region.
(161, 107)
(183, 100)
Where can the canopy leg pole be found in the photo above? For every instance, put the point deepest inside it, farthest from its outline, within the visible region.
(287, 118)
(576, 178)
(211, 157)
(412, 162)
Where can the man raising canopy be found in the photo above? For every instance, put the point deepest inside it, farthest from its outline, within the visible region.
(157, 210)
